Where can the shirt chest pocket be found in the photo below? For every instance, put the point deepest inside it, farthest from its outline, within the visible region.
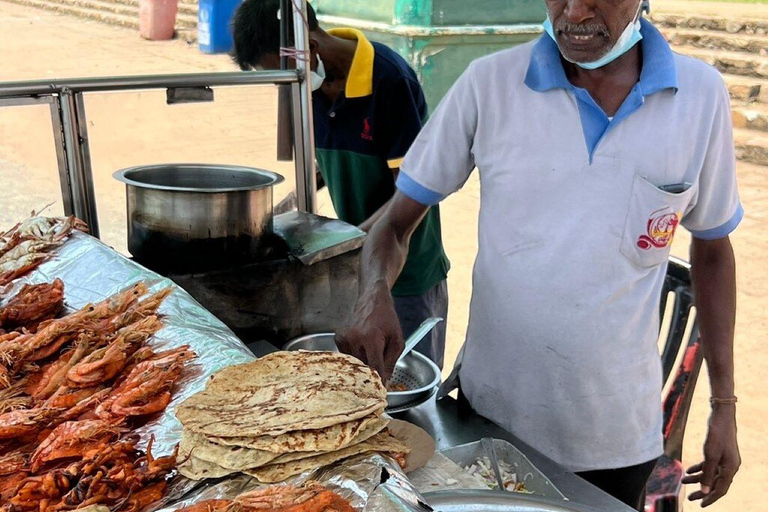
(652, 220)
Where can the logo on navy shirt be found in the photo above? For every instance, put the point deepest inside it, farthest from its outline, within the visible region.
(366, 135)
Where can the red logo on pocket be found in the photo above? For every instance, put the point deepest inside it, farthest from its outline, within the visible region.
(366, 135)
(661, 230)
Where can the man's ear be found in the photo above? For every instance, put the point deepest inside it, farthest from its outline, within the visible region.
(314, 48)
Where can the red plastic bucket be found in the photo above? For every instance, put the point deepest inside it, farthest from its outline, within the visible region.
(157, 19)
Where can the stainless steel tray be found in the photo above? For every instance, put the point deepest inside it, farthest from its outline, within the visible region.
(497, 501)
(500, 450)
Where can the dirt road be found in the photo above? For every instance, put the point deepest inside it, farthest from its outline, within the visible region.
(130, 129)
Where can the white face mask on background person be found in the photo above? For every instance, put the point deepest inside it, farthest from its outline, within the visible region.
(317, 77)
(627, 40)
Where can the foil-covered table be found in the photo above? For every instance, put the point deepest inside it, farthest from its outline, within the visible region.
(92, 271)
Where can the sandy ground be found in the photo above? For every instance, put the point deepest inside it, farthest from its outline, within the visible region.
(726, 9)
(238, 128)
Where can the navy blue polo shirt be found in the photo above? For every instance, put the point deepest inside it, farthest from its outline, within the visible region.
(363, 136)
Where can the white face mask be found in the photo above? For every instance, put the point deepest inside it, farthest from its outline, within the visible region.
(628, 39)
(317, 77)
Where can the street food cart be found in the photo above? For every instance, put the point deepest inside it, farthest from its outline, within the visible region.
(288, 275)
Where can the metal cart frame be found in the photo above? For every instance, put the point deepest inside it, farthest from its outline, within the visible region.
(68, 116)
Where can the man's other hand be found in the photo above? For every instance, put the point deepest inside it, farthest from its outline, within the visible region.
(721, 458)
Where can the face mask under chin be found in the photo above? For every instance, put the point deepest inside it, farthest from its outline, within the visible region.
(317, 77)
(629, 37)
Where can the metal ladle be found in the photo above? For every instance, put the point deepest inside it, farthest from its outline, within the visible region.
(418, 335)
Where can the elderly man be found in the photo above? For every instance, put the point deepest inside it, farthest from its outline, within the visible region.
(592, 144)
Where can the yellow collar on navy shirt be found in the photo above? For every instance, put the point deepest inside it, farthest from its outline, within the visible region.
(360, 79)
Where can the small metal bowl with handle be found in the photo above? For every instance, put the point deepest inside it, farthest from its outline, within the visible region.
(415, 371)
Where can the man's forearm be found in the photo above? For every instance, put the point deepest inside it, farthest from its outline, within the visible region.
(714, 282)
(383, 257)
(374, 333)
(386, 247)
(370, 221)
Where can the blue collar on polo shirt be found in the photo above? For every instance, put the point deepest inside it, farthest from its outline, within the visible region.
(545, 73)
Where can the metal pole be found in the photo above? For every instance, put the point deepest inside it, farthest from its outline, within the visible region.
(284, 121)
(304, 136)
(61, 157)
(79, 159)
(299, 153)
(74, 85)
(286, 18)
(25, 101)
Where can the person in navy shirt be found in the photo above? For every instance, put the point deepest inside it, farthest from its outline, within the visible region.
(368, 109)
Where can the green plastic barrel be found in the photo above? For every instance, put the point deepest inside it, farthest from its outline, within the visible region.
(439, 38)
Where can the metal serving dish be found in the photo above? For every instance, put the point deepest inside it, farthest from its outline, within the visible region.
(196, 216)
(495, 501)
(498, 450)
(420, 375)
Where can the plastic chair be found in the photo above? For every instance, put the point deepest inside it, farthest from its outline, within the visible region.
(681, 360)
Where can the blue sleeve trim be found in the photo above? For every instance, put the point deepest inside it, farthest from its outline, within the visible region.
(417, 192)
(722, 231)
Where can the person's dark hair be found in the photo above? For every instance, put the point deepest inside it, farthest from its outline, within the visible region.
(256, 30)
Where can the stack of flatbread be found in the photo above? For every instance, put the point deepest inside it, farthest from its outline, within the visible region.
(283, 415)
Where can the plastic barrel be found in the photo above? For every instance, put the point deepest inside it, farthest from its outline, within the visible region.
(214, 33)
(157, 19)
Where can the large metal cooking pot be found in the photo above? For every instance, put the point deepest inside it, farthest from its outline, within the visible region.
(190, 217)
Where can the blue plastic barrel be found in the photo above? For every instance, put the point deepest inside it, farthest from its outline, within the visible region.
(214, 31)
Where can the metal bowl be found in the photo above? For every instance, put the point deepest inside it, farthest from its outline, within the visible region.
(417, 372)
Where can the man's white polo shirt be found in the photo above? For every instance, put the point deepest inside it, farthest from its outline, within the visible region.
(574, 236)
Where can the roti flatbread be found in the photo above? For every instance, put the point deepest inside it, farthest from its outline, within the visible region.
(196, 469)
(238, 458)
(231, 457)
(366, 434)
(319, 440)
(284, 392)
(381, 442)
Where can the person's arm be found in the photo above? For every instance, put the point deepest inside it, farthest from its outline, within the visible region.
(370, 221)
(374, 333)
(716, 213)
(713, 271)
(438, 163)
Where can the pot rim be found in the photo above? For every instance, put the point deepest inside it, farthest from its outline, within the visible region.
(123, 176)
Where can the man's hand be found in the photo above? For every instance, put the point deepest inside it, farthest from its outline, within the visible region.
(721, 458)
(374, 336)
